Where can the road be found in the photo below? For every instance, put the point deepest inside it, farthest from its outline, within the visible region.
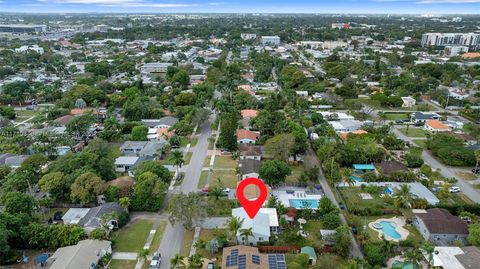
(446, 171)
(311, 160)
(173, 235)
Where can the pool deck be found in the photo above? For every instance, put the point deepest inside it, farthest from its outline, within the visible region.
(399, 223)
(285, 197)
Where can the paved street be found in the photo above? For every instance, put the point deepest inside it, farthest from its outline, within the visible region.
(446, 171)
(173, 235)
(311, 160)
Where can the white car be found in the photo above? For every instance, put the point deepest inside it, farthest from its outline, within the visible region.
(156, 260)
(454, 189)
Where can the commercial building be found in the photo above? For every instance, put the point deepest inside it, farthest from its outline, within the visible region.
(271, 40)
(471, 40)
(23, 28)
(155, 67)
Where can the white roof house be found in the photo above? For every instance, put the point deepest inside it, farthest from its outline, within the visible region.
(336, 115)
(408, 101)
(263, 225)
(455, 257)
(85, 254)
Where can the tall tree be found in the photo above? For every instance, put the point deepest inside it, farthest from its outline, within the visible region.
(86, 188)
(274, 171)
(177, 159)
(188, 209)
(280, 146)
(233, 225)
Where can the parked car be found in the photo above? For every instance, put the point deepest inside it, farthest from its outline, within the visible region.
(454, 189)
(156, 260)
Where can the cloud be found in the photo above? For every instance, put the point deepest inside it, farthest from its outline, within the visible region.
(121, 3)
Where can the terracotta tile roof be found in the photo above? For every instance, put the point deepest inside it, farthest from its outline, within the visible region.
(471, 55)
(124, 184)
(164, 132)
(344, 135)
(249, 113)
(436, 124)
(246, 134)
(77, 111)
(441, 221)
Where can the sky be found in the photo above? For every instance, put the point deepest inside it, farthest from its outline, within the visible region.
(245, 6)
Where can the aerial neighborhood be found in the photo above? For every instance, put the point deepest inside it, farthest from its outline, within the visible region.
(124, 138)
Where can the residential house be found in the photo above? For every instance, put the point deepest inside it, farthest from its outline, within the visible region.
(436, 126)
(455, 257)
(145, 149)
(455, 122)
(91, 218)
(249, 257)
(458, 94)
(124, 185)
(344, 135)
(389, 167)
(249, 113)
(346, 125)
(250, 152)
(13, 161)
(302, 93)
(421, 117)
(263, 225)
(440, 226)
(165, 122)
(333, 116)
(155, 68)
(408, 101)
(126, 163)
(249, 168)
(246, 136)
(362, 168)
(84, 255)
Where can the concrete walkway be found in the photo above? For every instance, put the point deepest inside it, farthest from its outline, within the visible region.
(124, 256)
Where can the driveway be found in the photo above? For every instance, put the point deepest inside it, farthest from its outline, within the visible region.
(446, 171)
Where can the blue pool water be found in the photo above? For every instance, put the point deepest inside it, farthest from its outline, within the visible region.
(304, 203)
(357, 179)
(389, 228)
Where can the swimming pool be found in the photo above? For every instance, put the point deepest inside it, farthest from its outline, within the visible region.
(304, 203)
(357, 179)
(389, 228)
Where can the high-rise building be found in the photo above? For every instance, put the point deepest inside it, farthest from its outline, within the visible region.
(470, 40)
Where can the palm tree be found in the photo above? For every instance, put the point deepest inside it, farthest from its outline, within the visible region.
(246, 233)
(177, 159)
(195, 261)
(216, 192)
(477, 158)
(234, 224)
(428, 249)
(382, 117)
(177, 261)
(413, 255)
(403, 198)
(143, 255)
(347, 176)
(124, 203)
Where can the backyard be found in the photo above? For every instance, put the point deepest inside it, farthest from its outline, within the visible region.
(122, 264)
(396, 116)
(374, 205)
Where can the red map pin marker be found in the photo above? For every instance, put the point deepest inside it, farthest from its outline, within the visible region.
(252, 206)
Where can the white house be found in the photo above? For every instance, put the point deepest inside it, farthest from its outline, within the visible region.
(271, 40)
(408, 101)
(263, 225)
(302, 93)
(126, 163)
(155, 68)
(459, 94)
(35, 48)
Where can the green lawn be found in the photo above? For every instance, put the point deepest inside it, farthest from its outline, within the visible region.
(228, 178)
(186, 243)
(296, 172)
(421, 143)
(194, 142)
(313, 228)
(207, 235)
(396, 116)
(207, 161)
(184, 141)
(157, 238)
(188, 157)
(413, 132)
(225, 162)
(133, 237)
(355, 203)
(24, 114)
(203, 179)
(122, 264)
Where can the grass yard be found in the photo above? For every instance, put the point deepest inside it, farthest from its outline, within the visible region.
(157, 238)
(421, 143)
(122, 264)
(194, 142)
(49, 212)
(413, 132)
(133, 237)
(296, 172)
(24, 114)
(203, 179)
(313, 228)
(186, 243)
(188, 157)
(466, 175)
(228, 178)
(396, 116)
(207, 235)
(225, 162)
(207, 161)
(355, 203)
